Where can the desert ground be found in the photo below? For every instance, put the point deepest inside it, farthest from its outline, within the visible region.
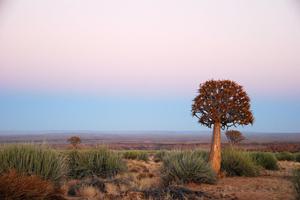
(145, 176)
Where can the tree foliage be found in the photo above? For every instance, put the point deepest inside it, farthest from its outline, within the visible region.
(224, 102)
(74, 141)
(234, 136)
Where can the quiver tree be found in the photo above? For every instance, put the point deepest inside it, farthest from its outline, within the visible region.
(234, 136)
(74, 141)
(221, 104)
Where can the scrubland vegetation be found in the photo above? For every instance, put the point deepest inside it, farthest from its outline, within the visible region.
(186, 166)
(33, 160)
(297, 157)
(296, 181)
(97, 162)
(39, 172)
(238, 163)
(265, 159)
(285, 156)
(136, 155)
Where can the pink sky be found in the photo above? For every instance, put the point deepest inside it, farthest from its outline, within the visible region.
(139, 46)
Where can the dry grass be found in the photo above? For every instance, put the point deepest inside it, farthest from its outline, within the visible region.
(14, 186)
(90, 193)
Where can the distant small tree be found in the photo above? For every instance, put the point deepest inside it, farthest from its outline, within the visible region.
(221, 104)
(74, 141)
(234, 136)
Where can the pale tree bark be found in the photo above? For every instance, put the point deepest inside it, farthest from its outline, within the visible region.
(215, 149)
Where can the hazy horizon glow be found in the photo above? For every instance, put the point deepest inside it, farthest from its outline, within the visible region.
(145, 53)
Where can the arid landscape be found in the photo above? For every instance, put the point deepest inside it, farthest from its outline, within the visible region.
(141, 172)
(145, 176)
(152, 140)
(149, 100)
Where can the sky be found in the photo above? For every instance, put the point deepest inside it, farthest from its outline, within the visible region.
(137, 64)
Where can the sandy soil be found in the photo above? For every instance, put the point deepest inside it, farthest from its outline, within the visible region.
(271, 185)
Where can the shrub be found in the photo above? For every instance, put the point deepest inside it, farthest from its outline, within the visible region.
(296, 181)
(20, 187)
(33, 160)
(158, 157)
(238, 163)
(297, 157)
(266, 160)
(77, 164)
(186, 166)
(100, 162)
(202, 154)
(136, 155)
(285, 156)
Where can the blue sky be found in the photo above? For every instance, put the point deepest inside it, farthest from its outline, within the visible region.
(77, 112)
(136, 64)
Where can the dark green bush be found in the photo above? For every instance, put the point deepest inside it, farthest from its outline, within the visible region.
(186, 166)
(35, 160)
(136, 155)
(296, 181)
(238, 163)
(99, 162)
(77, 163)
(266, 160)
(297, 157)
(285, 156)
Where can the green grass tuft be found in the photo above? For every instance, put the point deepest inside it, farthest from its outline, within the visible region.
(238, 163)
(285, 156)
(158, 156)
(136, 155)
(33, 160)
(186, 166)
(99, 162)
(202, 154)
(265, 160)
(297, 157)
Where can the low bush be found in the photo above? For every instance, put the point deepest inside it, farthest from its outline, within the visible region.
(186, 166)
(136, 155)
(158, 157)
(202, 154)
(16, 186)
(296, 181)
(297, 157)
(265, 160)
(285, 156)
(77, 164)
(33, 160)
(238, 163)
(99, 162)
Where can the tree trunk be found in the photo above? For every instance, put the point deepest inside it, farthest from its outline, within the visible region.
(215, 149)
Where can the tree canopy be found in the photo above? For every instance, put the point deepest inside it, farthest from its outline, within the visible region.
(234, 136)
(74, 141)
(224, 102)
